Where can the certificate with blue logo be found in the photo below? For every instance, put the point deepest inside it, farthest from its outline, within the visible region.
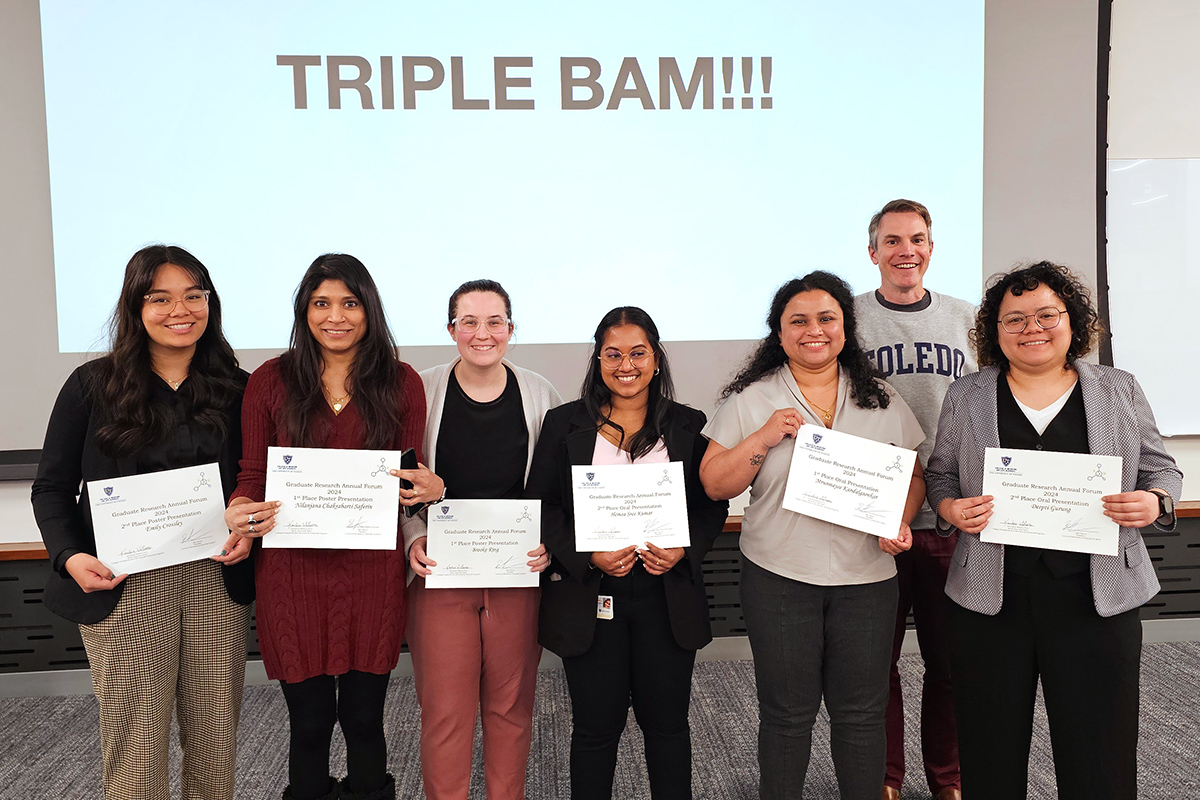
(333, 499)
(1051, 500)
(482, 544)
(144, 522)
(617, 505)
(848, 480)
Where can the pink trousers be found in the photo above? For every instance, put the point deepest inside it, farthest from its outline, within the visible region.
(474, 650)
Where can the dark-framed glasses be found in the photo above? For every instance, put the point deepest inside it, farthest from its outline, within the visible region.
(471, 324)
(163, 304)
(613, 359)
(1046, 318)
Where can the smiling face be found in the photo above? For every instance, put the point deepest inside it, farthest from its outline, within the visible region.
(1035, 350)
(178, 329)
(902, 251)
(481, 348)
(336, 318)
(630, 380)
(811, 330)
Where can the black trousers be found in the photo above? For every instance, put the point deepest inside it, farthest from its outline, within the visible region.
(633, 658)
(1089, 667)
(355, 702)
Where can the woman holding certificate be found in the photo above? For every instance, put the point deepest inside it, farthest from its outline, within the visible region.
(628, 622)
(330, 621)
(819, 599)
(1021, 613)
(171, 639)
(475, 651)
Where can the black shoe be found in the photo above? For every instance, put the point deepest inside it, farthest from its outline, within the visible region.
(331, 794)
(385, 792)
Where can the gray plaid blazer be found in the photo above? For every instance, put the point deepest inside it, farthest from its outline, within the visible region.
(1119, 423)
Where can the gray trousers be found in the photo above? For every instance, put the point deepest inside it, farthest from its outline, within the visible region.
(812, 641)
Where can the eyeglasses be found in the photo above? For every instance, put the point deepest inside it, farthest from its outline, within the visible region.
(471, 324)
(163, 304)
(613, 359)
(1046, 318)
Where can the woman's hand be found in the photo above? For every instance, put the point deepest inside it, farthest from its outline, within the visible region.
(417, 558)
(617, 563)
(783, 424)
(894, 547)
(427, 486)
(539, 559)
(237, 548)
(1131, 509)
(90, 574)
(968, 514)
(659, 561)
(248, 518)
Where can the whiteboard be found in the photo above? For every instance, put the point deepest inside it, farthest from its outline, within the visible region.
(1154, 282)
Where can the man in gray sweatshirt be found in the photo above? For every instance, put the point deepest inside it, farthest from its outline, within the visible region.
(918, 340)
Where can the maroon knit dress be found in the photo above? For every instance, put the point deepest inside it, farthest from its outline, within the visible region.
(324, 612)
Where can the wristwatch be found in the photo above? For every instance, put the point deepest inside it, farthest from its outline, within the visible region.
(1166, 508)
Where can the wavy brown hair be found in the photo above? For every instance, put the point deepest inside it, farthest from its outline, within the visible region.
(375, 376)
(1074, 293)
(132, 417)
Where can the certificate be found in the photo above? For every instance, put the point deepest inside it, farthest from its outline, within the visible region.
(848, 480)
(617, 505)
(333, 499)
(1051, 500)
(143, 522)
(480, 544)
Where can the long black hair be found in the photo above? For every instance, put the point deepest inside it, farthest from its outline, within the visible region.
(866, 385)
(596, 395)
(132, 417)
(375, 376)
(1085, 322)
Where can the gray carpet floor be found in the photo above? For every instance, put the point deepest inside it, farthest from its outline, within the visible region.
(51, 750)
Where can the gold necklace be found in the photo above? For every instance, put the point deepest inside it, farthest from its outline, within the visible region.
(826, 415)
(173, 384)
(336, 403)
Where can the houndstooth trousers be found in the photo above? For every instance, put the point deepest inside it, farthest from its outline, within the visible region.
(174, 643)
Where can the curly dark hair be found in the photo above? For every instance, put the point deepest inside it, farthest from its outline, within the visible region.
(1075, 295)
(866, 385)
(596, 395)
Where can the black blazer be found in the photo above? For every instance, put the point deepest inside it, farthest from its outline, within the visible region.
(71, 457)
(567, 618)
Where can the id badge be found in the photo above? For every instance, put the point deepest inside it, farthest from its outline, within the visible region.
(604, 606)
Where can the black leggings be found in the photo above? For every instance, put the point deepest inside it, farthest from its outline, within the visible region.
(354, 701)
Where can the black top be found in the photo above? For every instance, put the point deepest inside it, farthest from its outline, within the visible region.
(1066, 433)
(71, 456)
(482, 448)
(567, 615)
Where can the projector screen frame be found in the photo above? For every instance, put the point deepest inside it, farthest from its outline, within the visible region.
(21, 464)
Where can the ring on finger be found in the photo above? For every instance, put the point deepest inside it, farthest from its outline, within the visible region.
(252, 529)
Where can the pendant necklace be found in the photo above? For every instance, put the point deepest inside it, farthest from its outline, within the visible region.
(173, 384)
(336, 403)
(825, 414)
